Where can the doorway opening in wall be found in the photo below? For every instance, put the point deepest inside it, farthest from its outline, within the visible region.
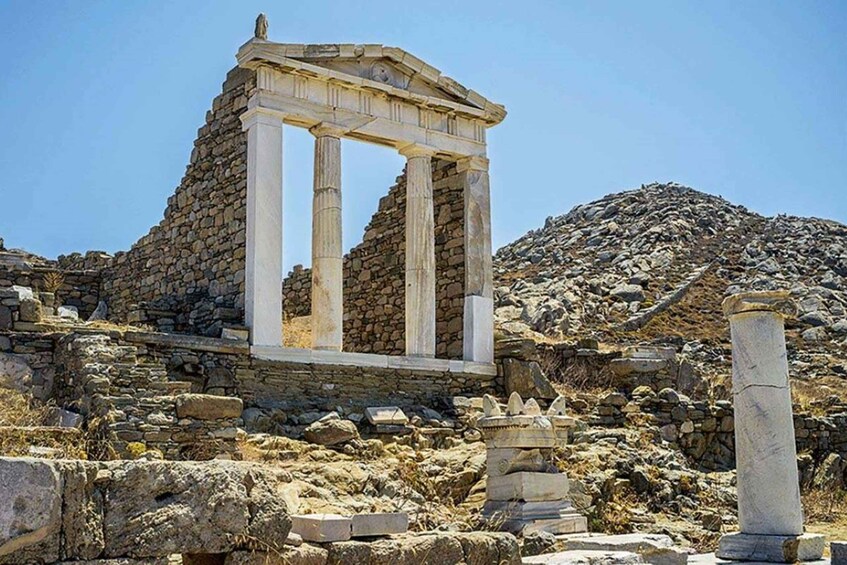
(368, 171)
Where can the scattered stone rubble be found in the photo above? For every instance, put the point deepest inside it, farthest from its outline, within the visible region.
(621, 260)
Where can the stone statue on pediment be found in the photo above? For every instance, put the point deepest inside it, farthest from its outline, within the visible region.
(261, 31)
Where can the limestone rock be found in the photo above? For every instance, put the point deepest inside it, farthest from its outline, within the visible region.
(429, 548)
(527, 379)
(331, 431)
(208, 407)
(163, 507)
(30, 310)
(31, 512)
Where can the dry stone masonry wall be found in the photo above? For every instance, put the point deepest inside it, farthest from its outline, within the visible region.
(187, 273)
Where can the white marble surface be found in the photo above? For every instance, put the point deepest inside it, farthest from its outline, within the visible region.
(420, 253)
(527, 486)
(768, 482)
(327, 254)
(478, 323)
(299, 355)
(263, 269)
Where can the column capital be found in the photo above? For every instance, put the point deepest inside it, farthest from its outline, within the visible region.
(776, 301)
(417, 150)
(328, 129)
(260, 115)
(472, 163)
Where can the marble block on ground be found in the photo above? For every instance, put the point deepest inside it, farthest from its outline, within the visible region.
(580, 557)
(653, 548)
(838, 552)
(772, 549)
(710, 559)
(386, 415)
(527, 486)
(379, 524)
(322, 527)
(557, 517)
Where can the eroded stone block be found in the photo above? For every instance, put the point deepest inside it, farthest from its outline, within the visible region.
(208, 407)
(322, 527)
(380, 524)
(528, 486)
(30, 511)
(774, 549)
(386, 415)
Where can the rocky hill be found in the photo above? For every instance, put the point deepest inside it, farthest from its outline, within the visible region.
(656, 262)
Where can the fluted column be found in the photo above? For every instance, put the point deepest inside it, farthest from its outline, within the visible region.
(478, 329)
(263, 268)
(420, 252)
(327, 275)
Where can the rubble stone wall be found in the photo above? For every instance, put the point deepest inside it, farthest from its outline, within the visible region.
(302, 387)
(132, 407)
(374, 273)
(80, 288)
(187, 273)
(706, 432)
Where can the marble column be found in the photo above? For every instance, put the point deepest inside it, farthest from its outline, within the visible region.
(420, 252)
(327, 257)
(263, 269)
(478, 333)
(770, 514)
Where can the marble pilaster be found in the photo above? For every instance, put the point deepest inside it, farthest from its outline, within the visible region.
(327, 252)
(263, 269)
(478, 331)
(420, 252)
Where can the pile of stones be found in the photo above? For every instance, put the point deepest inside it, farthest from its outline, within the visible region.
(607, 262)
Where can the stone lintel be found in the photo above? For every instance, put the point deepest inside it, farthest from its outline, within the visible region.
(777, 301)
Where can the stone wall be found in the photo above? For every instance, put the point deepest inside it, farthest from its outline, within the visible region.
(706, 432)
(132, 407)
(79, 288)
(219, 367)
(187, 273)
(374, 273)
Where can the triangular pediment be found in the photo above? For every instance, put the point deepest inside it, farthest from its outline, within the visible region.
(372, 66)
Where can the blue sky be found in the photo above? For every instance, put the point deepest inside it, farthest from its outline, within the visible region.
(100, 103)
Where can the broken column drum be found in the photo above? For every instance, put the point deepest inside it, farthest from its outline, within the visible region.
(770, 513)
(524, 491)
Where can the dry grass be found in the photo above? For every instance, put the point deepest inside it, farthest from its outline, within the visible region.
(297, 332)
(17, 410)
(21, 427)
(53, 281)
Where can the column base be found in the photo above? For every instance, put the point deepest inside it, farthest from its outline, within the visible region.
(739, 546)
(559, 517)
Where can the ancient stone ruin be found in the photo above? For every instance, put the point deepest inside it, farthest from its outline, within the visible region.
(162, 417)
(524, 492)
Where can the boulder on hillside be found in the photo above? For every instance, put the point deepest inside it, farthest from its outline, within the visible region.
(527, 379)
